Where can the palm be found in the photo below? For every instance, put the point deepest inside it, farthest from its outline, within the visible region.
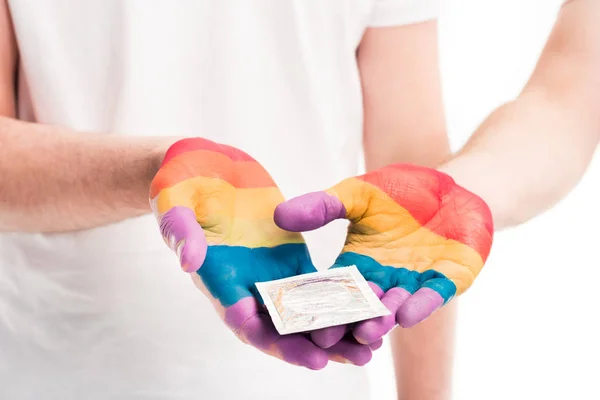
(215, 206)
(419, 238)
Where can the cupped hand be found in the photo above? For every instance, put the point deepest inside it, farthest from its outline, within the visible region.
(416, 236)
(215, 205)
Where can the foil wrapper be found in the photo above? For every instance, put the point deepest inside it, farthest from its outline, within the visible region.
(319, 300)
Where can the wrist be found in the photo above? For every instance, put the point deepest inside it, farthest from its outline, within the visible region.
(473, 172)
(152, 155)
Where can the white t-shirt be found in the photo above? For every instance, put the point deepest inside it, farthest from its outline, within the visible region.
(106, 313)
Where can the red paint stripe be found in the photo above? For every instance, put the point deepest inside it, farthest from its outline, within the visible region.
(438, 203)
(194, 144)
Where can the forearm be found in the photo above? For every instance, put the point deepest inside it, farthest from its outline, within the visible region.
(531, 152)
(424, 356)
(56, 180)
(523, 159)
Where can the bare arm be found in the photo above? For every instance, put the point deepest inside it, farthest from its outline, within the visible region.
(53, 179)
(531, 152)
(405, 122)
(404, 118)
(8, 63)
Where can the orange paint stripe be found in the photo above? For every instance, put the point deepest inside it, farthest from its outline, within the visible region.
(209, 196)
(209, 164)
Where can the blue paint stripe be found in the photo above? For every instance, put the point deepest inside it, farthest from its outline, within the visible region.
(230, 272)
(387, 277)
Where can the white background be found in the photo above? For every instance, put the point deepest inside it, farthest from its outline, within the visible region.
(528, 328)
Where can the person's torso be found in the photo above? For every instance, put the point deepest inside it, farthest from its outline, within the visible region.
(105, 313)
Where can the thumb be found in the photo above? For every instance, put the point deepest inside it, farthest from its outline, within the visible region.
(184, 236)
(309, 211)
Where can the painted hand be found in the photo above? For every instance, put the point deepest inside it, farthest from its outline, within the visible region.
(415, 235)
(215, 205)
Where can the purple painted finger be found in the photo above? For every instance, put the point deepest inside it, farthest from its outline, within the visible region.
(299, 350)
(238, 314)
(295, 349)
(348, 349)
(376, 289)
(418, 307)
(184, 236)
(248, 320)
(308, 212)
(376, 345)
(369, 331)
(327, 337)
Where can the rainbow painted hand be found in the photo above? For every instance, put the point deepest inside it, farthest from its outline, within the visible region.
(215, 206)
(414, 234)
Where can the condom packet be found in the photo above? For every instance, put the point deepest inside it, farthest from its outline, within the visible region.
(307, 302)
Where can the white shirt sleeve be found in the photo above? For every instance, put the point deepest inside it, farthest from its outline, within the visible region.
(403, 12)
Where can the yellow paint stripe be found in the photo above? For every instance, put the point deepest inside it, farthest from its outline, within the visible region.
(229, 215)
(251, 233)
(373, 208)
